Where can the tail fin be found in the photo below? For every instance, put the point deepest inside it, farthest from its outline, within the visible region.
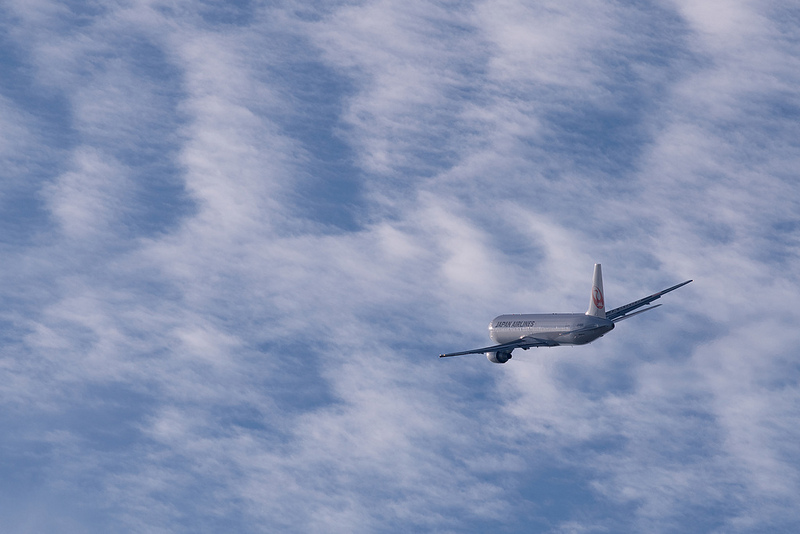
(597, 306)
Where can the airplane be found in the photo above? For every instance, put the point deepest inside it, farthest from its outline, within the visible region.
(523, 331)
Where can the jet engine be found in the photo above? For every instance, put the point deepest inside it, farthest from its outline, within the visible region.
(498, 357)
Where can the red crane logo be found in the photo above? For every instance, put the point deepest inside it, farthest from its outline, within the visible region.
(597, 298)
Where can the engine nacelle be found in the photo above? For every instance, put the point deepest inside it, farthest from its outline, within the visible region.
(498, 357)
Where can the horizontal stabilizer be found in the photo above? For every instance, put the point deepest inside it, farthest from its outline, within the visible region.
(623, 317)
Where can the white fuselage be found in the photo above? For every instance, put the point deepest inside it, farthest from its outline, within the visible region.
(558, 328)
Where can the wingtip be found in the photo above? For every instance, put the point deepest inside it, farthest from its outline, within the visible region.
(676, 286)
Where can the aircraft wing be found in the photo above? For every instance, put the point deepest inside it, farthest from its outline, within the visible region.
(618, 314)
(522, 343)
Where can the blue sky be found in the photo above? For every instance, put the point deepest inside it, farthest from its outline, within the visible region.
(236, 237)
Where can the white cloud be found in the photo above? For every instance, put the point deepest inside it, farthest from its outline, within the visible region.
(89, 200)
(247, 368)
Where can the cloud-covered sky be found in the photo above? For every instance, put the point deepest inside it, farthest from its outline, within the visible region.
(236, 236)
